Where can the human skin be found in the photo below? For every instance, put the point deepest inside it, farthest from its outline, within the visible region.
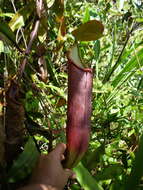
(49, 173)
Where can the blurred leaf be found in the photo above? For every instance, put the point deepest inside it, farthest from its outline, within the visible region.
(111, 172)
(91, 30)
(35, 114)
(117, 185)
(1, 47)
(7, 32)
(62, 30)
(130, 68)
(23, 166)
(75, 187)
(125, 58)
(20, 17)
(7, 35)
(121, 4)
(126, 73)
(93, 158)
(17, 22)
(58, 8)
(6, 15)
(85, 178)
(32, 103)
(97, 49)
(137, 169)
(51, 71)
(61, 102)
(59, 91)
(140, 20)
(87, 15)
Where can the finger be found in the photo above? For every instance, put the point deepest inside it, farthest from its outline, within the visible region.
(69, 173)
(59, 150)
(62, 157)
(73, 176)
(43, 157)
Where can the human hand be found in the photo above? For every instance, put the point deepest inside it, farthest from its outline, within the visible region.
(49, 170)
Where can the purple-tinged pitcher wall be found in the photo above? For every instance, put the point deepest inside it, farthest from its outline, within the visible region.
(79, 113)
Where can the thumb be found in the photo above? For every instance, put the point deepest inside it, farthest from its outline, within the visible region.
(59, 150)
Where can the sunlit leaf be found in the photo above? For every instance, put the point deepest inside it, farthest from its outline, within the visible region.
(86, 16)
(1, 46)
(127, 56)
(17, 22)
(19, 18)
(6, 15)
(62, 30)
(130, 68)
(121, 4)
(85, 178)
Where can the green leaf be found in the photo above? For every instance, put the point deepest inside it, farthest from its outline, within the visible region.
(111, 172)
(18, 20)
(97, 49)
(25, 162)
(7, 35)
(1, 47)
(85, 178)
(127, 72)
(51, 71)
(117, 185)
(137, 169)
(58, 8)
(7, 32)
(125, 58)
(134, 63)
(91, 30)
(58, 90)
(91, 159)
(121, 4)
(87, 15)
(6, 15)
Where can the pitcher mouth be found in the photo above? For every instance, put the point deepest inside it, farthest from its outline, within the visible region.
(74, 58)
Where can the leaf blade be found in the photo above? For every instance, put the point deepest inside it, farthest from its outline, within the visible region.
(85, 179)
(89, 31)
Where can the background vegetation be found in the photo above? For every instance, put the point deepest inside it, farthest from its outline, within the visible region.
(33, 86)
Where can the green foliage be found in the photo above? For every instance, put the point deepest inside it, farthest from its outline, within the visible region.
(6, 33)
(137, 169)
(24, 163)
(85, 179)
